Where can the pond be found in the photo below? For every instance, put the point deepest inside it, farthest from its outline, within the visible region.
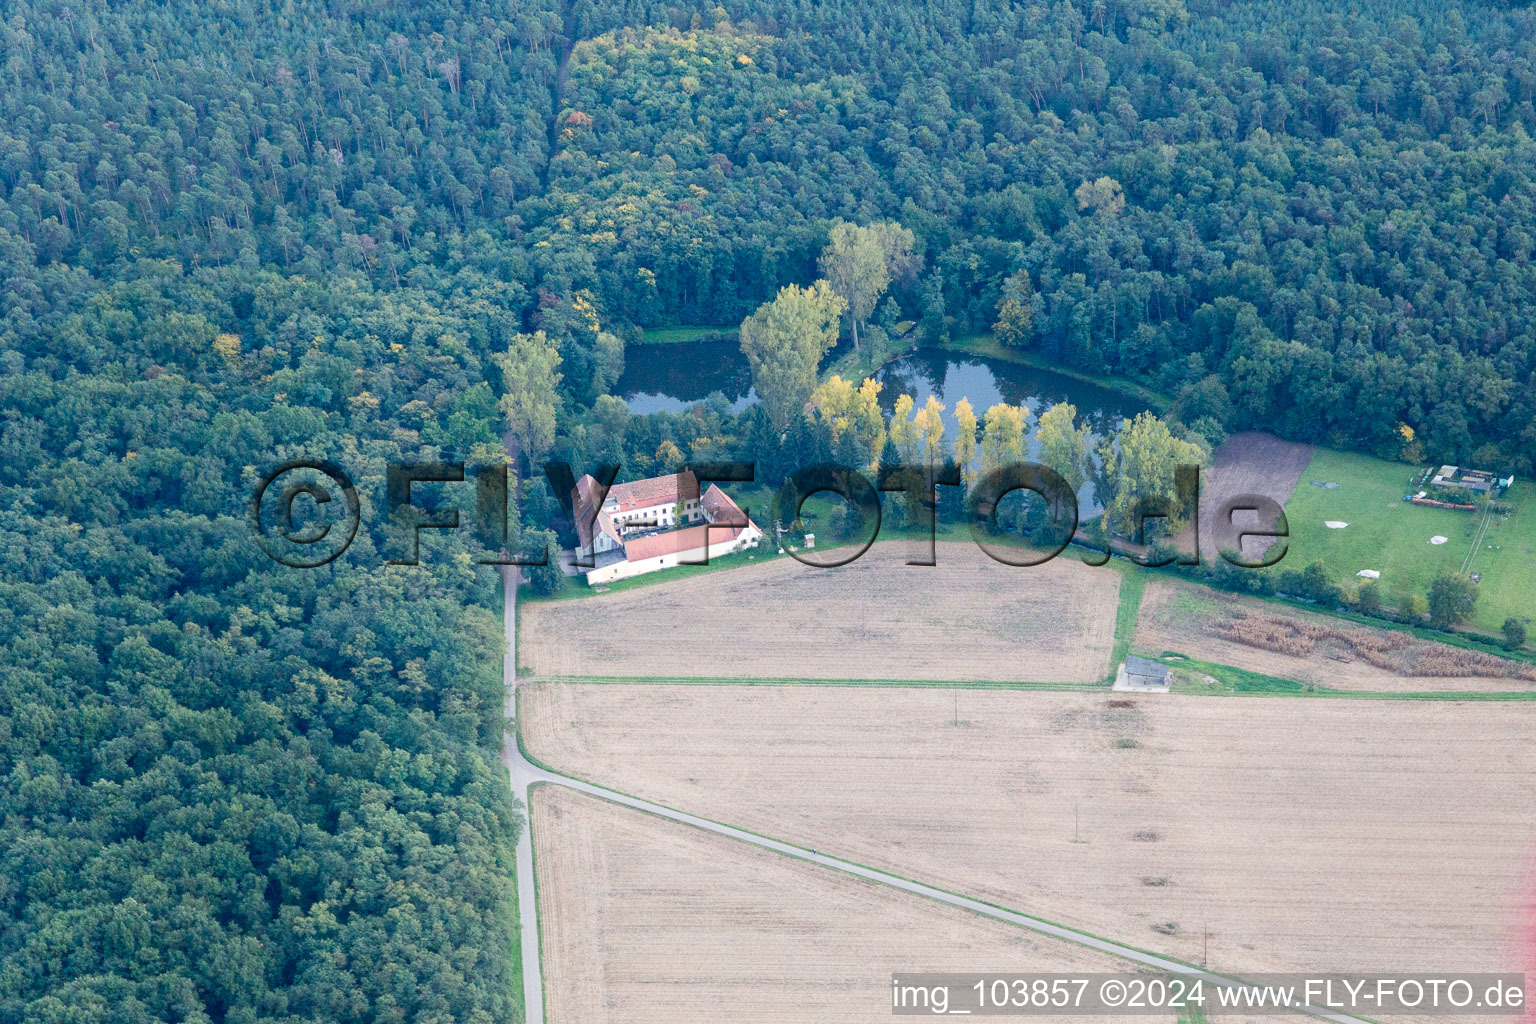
(671, 377)
(952, 376)
(985, 382)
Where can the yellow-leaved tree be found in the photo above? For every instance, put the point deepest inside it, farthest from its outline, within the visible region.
(903, 431)
(1064, 444)
(1002, 439)
(965, 440)
(847, 409)
(833, 402)
(930, 427)
(1139, 463)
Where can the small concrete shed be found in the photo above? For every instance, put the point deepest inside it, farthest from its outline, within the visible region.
(1141, 675)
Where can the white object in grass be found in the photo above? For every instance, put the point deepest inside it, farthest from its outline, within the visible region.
(1334, 524)
(1370, 574)
(1437, 539)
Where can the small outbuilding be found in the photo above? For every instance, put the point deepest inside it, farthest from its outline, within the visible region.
(1464, 478)
(1141, 675)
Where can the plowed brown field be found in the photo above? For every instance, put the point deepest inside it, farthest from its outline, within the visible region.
(649, 922)
(967, 618)
(1280, 834)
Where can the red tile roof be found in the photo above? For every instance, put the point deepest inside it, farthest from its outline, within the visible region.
(719, 508)
(726, 523)
(657, 490)
(675, 542)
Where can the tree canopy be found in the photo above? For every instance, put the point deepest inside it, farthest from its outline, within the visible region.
(234, 234)
(784, 342)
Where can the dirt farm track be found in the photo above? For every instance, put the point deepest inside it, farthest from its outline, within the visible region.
(1281, 834)
(967, 618)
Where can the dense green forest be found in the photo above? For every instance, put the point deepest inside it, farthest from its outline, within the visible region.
(239, 232)
(236, 791)
(1327, 214)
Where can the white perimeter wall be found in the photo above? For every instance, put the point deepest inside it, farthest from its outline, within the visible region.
(624, 570)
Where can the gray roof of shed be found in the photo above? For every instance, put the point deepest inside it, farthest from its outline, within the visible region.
(1145, 667)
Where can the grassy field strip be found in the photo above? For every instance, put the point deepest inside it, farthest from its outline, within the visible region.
(1235, 682)
(684, 334)
(1127, 612)
(528, 875)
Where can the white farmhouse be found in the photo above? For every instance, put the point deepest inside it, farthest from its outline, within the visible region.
(652, 524)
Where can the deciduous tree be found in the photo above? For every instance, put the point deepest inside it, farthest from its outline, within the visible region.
(784, 342)
(903, 431)
(930, 428)
(1002, 441)
(965, 439)
(860, 262)
(530, 376)
(1451, 599)
(852, 411)
(1064, 444)
(1015, 324)
(1139, 461)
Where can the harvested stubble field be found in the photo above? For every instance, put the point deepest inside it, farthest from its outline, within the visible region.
(1300, 834)
(966, 618)
(1244, 464)
(1261, 636)
(645, 920)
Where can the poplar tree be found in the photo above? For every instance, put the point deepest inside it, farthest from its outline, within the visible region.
(965, 439)
(1002, 440)
(930, 427)
(1064, 444)
(903, 431)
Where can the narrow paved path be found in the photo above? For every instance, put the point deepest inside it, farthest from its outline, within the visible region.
(527, 895)
(524, 774)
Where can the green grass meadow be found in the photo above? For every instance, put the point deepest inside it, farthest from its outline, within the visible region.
(1390, 535)
(685, 333)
